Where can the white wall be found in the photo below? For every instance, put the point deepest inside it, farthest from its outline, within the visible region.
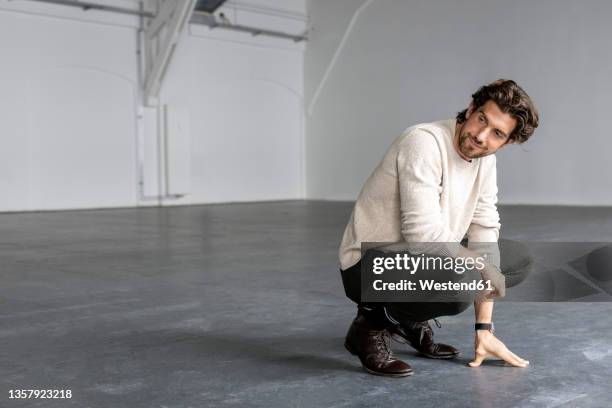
(245, 96)
(406, 62)
(69, 104)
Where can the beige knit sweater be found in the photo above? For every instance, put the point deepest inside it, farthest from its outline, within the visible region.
(423, 191)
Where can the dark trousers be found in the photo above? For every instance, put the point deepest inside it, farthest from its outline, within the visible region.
(516, 263)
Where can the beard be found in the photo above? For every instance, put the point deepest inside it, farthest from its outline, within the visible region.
(468, 149)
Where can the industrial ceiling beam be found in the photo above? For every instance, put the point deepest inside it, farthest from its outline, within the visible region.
(213, 22)
(198, 17)
(86, 6)
(161, 37)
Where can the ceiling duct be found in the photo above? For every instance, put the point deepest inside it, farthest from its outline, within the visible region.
(208, 6)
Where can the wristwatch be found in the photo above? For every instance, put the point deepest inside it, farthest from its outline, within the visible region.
(485, 326)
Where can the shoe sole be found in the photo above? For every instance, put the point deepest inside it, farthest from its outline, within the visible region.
(437, 357)
(392, 375)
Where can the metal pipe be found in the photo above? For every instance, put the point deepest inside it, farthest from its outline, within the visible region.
(95, 6)
(211, 21)
(198, 18)
(260, 31)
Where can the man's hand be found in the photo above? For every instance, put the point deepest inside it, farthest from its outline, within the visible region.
(487, 345)
(498, 281)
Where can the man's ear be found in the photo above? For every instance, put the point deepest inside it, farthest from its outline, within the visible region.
(470, 110)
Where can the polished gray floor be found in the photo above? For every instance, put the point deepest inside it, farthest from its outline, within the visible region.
(242, 305)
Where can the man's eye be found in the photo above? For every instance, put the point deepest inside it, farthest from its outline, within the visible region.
(499, 134)
(481, 118)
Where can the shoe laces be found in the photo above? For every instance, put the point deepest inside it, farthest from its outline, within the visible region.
(426, 328)
(383, 343)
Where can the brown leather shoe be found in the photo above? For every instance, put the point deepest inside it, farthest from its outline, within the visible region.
(371, 344)
(420, 336)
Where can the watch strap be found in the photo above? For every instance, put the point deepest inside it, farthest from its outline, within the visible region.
(484, 326)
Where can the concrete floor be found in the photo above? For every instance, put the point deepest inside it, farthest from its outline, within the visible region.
(242, 305)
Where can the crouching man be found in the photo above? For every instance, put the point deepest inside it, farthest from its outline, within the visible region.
(437, 183)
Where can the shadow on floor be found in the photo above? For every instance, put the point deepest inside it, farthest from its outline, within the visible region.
(301, 353)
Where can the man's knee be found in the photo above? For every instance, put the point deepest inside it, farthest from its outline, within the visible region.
(516, 261)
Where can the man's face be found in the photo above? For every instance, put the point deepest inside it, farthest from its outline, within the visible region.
(484, 132)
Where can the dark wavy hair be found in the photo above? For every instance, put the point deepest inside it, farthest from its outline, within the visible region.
(511, 99)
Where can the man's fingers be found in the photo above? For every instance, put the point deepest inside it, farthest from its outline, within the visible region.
(519, 358)
(512, 358)
(499, 290)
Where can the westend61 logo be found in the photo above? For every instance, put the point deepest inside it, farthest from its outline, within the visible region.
(435, 270)
(412, 264)
(396, 272)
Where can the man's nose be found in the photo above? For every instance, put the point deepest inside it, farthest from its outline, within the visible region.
(482, 135)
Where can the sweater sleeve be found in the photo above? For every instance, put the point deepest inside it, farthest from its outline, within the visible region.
(419, 168)
(484, 227)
